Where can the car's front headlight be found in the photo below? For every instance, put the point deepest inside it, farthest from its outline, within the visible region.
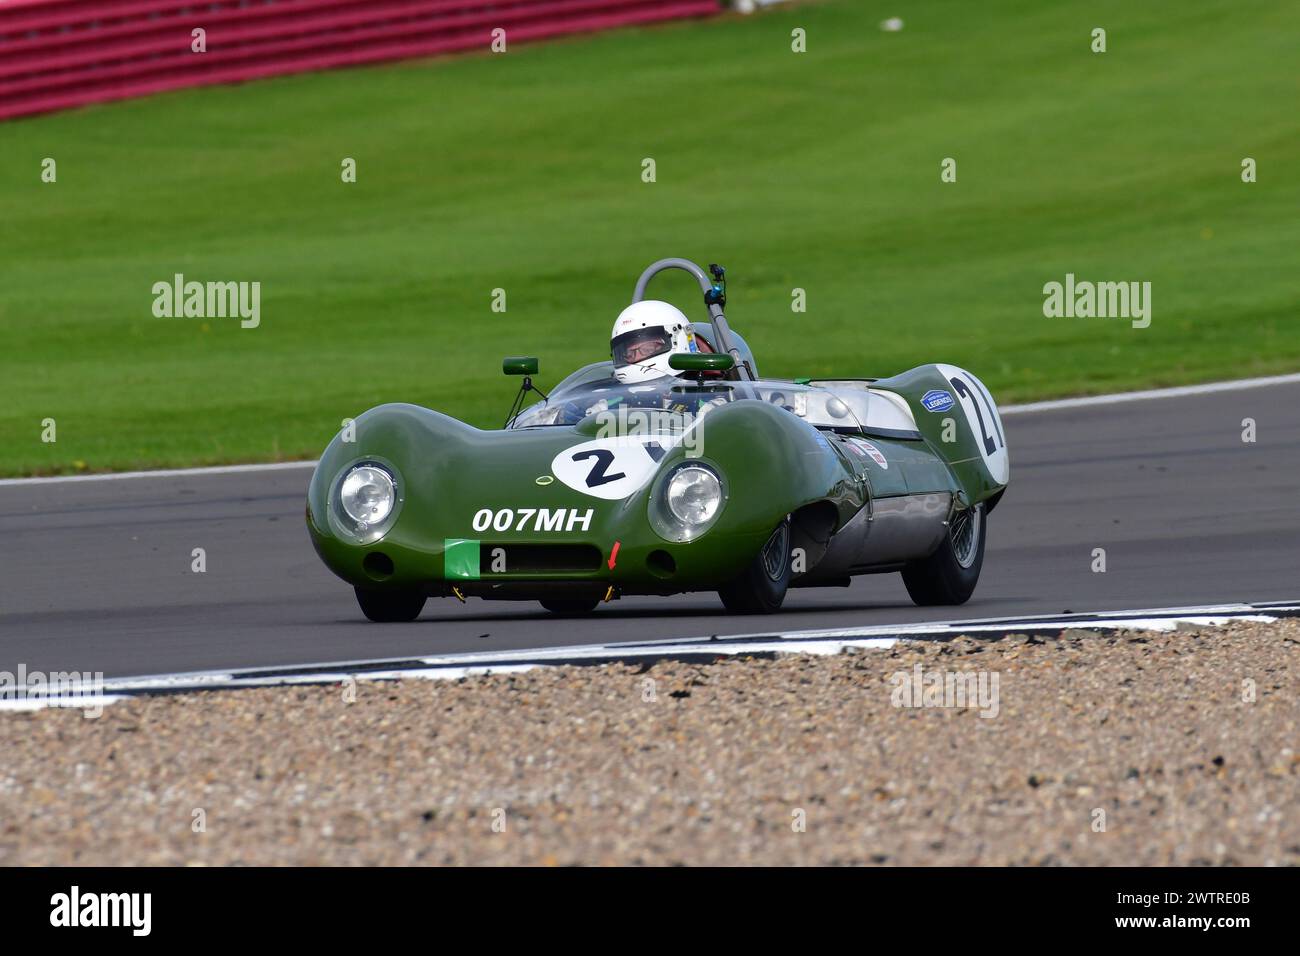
(364, 501)
(686, 501)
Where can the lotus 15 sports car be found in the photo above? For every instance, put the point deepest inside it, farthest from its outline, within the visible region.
(710, 479)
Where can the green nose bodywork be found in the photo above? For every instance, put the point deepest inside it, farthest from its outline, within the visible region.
(449, 472)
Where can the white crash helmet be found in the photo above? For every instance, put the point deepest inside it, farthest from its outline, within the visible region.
(645, 335)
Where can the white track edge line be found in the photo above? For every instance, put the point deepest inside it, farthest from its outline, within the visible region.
(1047, 406)
(458, 666)
(161, 473)
(1177, 391)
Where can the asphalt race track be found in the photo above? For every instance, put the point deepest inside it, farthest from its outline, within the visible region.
(96, 575)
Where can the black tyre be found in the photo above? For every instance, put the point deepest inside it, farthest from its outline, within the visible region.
(950, 574)
(387, 607)
(761, 588)
(571, 607)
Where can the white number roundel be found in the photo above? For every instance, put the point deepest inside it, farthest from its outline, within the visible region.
(611, 468)
(982, 417)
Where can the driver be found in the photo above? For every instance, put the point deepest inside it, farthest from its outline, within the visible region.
(646, 335)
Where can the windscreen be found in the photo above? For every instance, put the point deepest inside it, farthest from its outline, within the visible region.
(669, 394)
(819, 407)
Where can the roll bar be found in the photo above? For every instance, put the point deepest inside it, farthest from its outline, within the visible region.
(715, 297)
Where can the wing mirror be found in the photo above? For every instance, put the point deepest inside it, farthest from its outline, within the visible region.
(521, 365)
(525, 365)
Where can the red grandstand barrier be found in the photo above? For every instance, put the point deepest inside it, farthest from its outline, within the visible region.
(56, 54)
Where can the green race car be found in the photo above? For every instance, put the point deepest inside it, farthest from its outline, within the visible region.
(711, 479)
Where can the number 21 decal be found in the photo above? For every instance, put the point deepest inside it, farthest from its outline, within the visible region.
(982, 415)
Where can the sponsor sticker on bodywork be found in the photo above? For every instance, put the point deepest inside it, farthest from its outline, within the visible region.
(864, 449)
(937, 400)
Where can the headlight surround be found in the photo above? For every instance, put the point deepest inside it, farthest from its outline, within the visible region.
(686, 500)
(364, 501)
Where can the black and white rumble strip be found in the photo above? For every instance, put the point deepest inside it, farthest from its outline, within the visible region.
(828, 641)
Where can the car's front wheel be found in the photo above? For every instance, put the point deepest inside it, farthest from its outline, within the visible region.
(761, 588)
(387, 606)
(950, 574)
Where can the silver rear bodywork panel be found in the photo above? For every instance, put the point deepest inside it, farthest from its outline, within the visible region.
(886, 533)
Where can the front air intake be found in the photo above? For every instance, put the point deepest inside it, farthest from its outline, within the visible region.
(507, 559)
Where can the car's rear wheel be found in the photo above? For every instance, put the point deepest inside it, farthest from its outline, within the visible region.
(386, 606)
(761, 588)
(950, 574)
(570, 607)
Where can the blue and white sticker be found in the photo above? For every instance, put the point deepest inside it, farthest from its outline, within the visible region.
(937, 400)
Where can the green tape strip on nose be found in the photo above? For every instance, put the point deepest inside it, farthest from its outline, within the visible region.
(460, 559)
